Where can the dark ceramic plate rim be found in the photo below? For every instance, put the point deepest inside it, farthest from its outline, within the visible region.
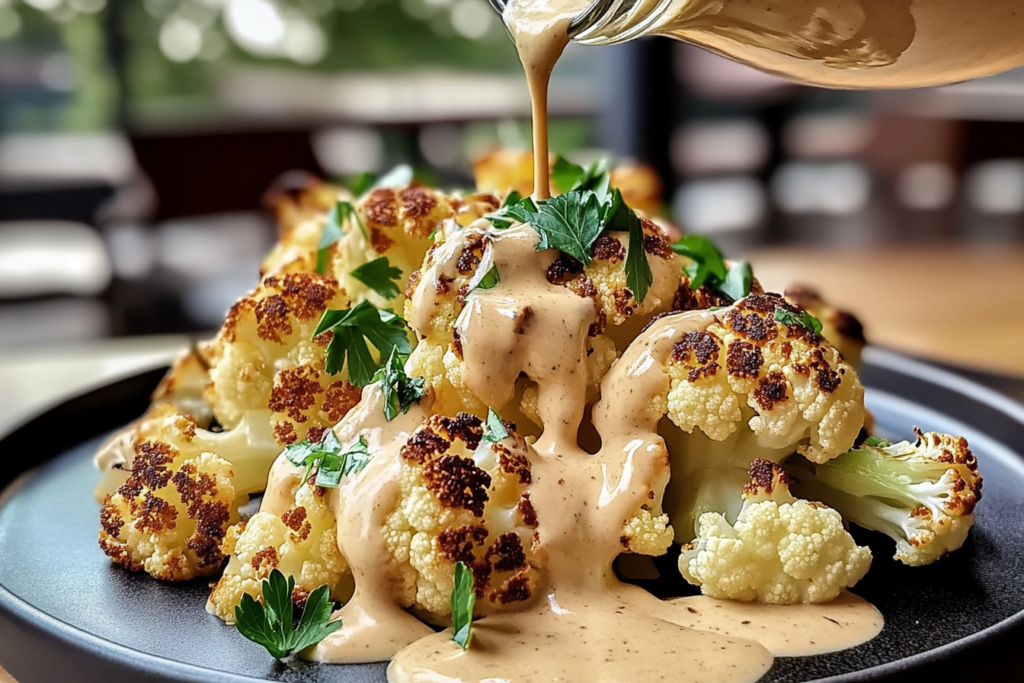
(28, 628)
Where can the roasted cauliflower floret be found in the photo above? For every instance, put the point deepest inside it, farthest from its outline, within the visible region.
(302, 542)
(264, 358)
(788, 385)
(249, 448)
(841, 328)
(183, 387)
(439, 294)
(300, 203)
(170, 516)
(780, 550)
(922, 495)
(462, 499)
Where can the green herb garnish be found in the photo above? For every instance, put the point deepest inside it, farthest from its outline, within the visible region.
(802, 319)
(494, 428)
(463, 601)
(707, 267)
(332, 232)
(328, 458)
(876, 442)
(353, 328)
(489, 281)
(572, 221)
(273, 627)
(379, 275)
(361, 183)
(400, 391)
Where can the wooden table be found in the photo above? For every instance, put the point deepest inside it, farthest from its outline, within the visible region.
(963, 306)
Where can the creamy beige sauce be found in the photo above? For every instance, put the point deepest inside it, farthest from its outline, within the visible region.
(540, 30)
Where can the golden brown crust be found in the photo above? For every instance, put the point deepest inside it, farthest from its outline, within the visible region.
(340, 398)
(458, 483)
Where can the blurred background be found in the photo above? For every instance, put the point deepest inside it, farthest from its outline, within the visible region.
(137, 137)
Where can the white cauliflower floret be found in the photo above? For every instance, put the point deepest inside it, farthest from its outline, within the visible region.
(265, 358)
(301, 542)
(791, 388)
(463, 499)
(781, 550)
(922, 495)
(170, 516)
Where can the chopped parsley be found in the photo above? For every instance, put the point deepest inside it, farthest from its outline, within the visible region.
(463, 601)
(271, 624)
(573, 221)
(707, 267)
(332, 232)
(494, 428)
(380, 276)
(876, 442)
(328, 458)
(354, 330)
(400, 391)
(802, 319)
(489, 281)
(362, 182)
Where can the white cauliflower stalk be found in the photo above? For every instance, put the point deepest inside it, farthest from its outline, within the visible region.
(781, 550)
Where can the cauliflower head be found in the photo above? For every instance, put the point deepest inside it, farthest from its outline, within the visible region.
(265, 358)
(301, 542)
(170, 516)
(462, 499)
(921, 494)
(781, 550)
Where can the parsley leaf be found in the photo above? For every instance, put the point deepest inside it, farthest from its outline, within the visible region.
(570, 222)
(489, 281)
(332, 232)
(272, 624)
(378, 275)
(738, 281)
(876, 442)
(502, 219)
(707, 267)
(327, 456)
(361, 183)
(400, 391)
(353, 328)
(802, 319)
(495, 429)
(463, 601)
(565, 174)
(706, 260)
(639, 277)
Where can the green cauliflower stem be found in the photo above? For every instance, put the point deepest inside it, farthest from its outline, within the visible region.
(922, 495)
(781, 550)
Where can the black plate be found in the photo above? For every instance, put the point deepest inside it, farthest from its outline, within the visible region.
(67, 614)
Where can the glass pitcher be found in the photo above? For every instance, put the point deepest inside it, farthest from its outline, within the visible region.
(831, 43)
